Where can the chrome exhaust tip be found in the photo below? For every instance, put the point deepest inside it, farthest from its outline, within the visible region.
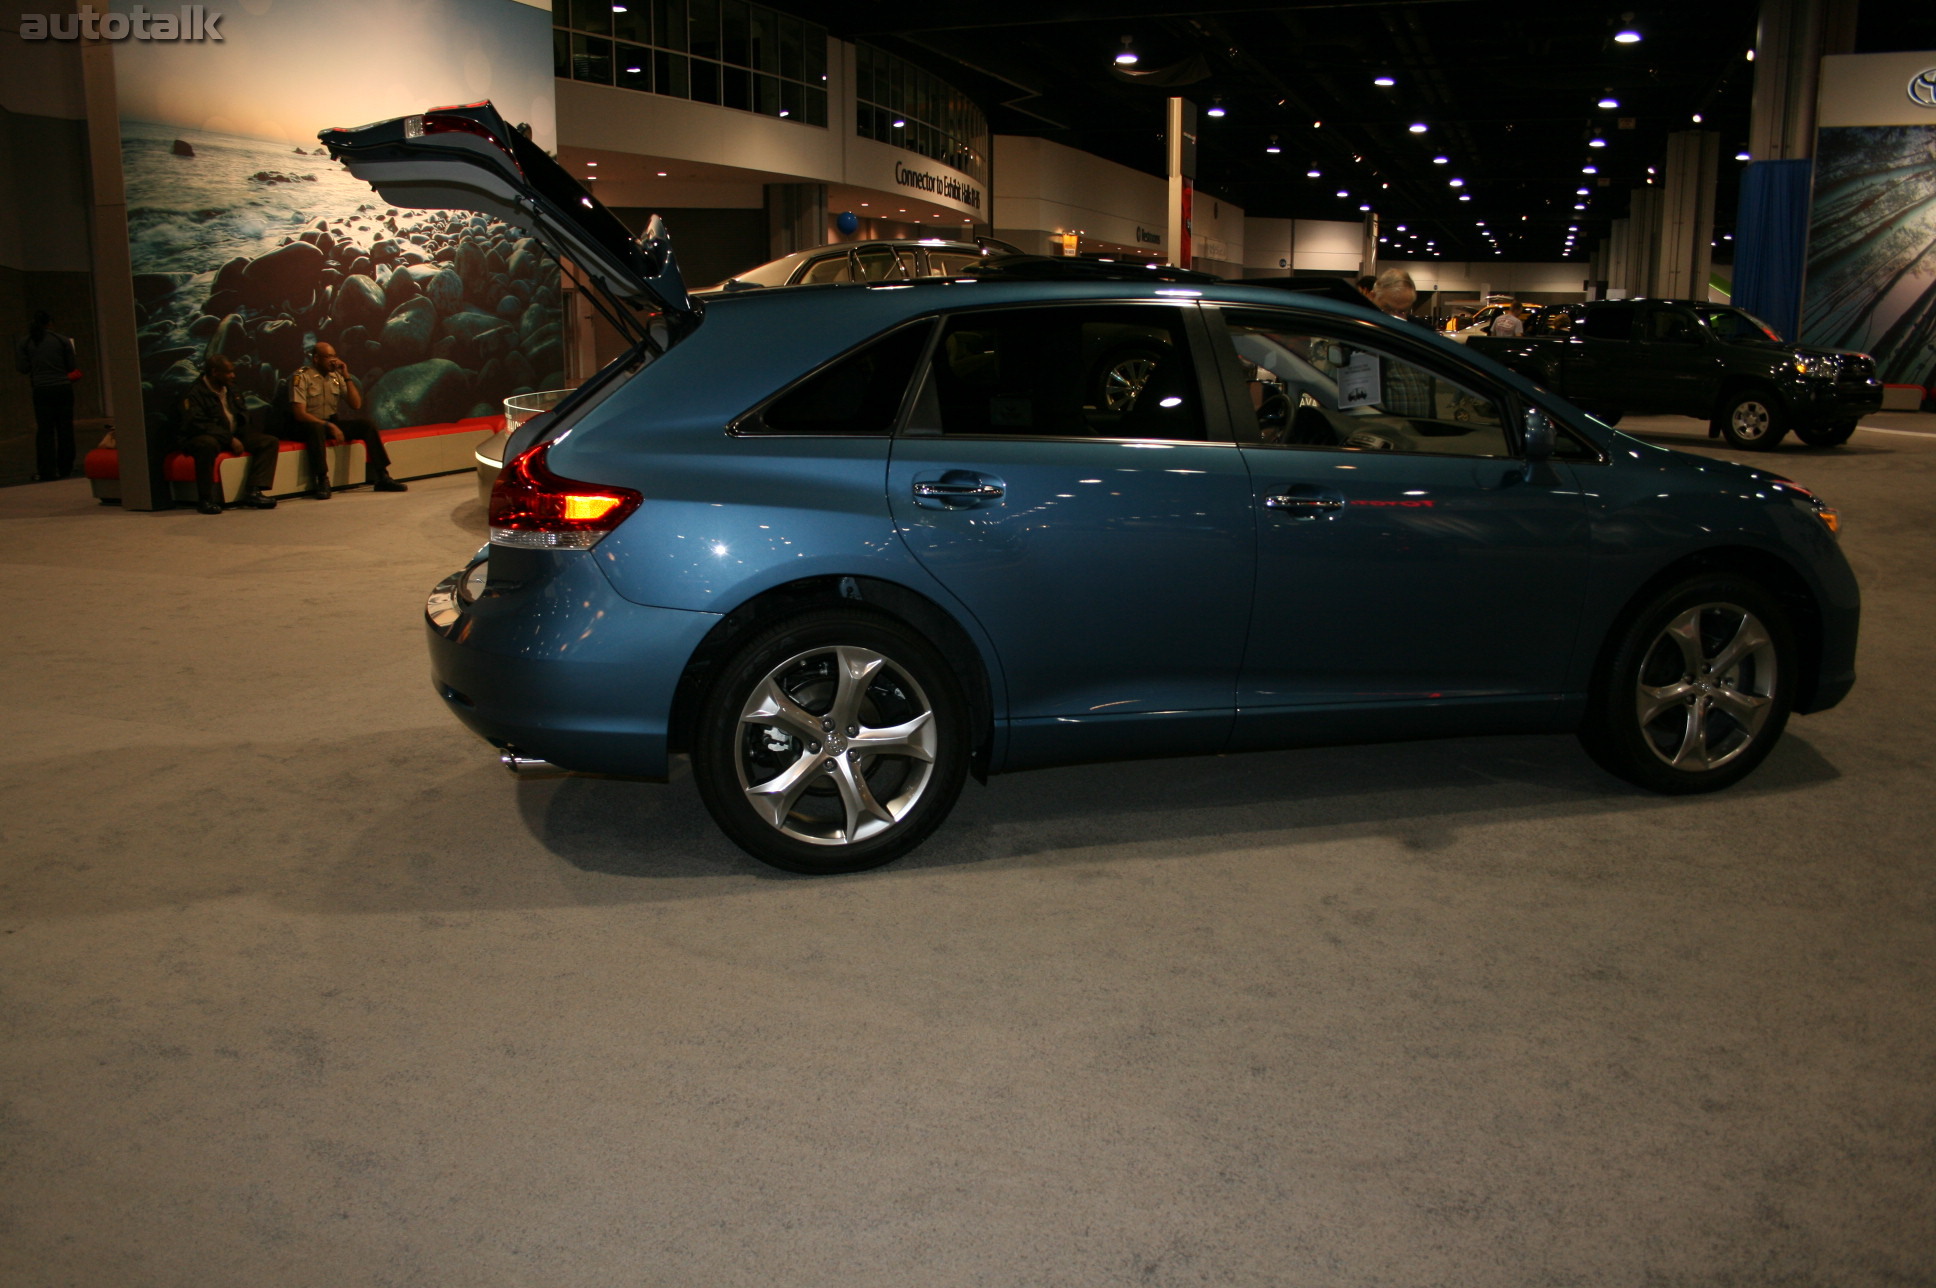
(527, 767)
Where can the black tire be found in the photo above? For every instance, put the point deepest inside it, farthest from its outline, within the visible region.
(1663, 716)
(1752, 420)
(840, 808)
(1826, 435)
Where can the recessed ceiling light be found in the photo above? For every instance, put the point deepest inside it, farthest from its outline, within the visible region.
(1596, 142)
(1579, 192)
(1609, 102)
(1465, 196)
(1626, 36)
(1589, 169)
(1215, 109)
(1384, 82)
(1441, 160)
(662, 174)
(1417, 127)
(1343, 193)
(1742, 156)
(1579, 205)
(1125, 57)
(1455, 183)
(899, 124)
(591, 163)
(1697, 118)
(1313, 174)
(1364, 207)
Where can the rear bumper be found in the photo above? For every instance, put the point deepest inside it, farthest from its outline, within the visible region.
(558, 666)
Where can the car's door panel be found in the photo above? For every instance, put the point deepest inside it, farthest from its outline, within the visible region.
(1113, 573)
(1397, 579)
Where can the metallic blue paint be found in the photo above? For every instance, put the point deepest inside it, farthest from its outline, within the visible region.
(1153, 611)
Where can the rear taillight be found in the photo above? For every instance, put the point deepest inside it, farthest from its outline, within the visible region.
(534, 508)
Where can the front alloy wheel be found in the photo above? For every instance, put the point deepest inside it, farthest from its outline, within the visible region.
(832, 743)
(1697, 689)
(1753, 421)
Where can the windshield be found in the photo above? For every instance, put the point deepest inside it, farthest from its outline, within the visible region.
(1728, 323)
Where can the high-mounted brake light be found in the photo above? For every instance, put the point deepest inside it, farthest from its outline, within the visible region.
(535, 509)
(440, 123)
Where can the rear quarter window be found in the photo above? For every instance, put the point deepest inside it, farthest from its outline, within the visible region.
(858, 394)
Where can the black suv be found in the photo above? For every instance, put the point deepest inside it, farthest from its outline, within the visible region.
(1693, 358)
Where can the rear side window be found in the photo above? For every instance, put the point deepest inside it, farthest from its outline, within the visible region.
(1089, 371)
(858, 394)
(1608, 322)
(834, 268)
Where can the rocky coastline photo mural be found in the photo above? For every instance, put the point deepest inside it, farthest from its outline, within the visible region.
(257, 250)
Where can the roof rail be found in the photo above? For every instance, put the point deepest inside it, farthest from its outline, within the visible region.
(1047, 268)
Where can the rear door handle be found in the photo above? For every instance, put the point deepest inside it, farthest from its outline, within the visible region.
(957, 490)
(960, 491)
(1305, 503)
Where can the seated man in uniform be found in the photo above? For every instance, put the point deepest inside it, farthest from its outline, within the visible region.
(212, 422)
(317, 394)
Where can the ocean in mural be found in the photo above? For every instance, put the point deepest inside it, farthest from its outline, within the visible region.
(256, 250)
(1871, 280)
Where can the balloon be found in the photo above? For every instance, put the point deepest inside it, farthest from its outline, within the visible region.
(848, 222)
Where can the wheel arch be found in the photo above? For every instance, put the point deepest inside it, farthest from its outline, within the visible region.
(1735, 385)
(1768, 570)
(908, 607)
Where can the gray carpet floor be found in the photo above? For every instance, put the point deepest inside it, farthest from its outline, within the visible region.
(298, 988)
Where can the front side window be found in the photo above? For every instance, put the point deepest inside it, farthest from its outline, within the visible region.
(1308, 389)
(1109, 371)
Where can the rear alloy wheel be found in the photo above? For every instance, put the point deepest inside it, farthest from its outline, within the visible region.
(1753, 421)
(1121, 377)
(1696, 689)
(1826, 435)
(833, 742)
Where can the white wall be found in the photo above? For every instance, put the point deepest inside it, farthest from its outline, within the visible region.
(1043, 188)
(623, 120)
(1520, 279)
(1275, 247)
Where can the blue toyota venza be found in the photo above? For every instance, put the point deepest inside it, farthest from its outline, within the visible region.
(845, 545)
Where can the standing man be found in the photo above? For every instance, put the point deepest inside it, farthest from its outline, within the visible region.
(1510, 323)
(212, 422)
(46, 358)
(317, 397)
(1394, 293)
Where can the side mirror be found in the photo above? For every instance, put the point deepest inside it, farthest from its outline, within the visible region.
(1537, 436)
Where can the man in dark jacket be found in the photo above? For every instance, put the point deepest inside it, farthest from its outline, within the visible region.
(213, 422)
(46, 358)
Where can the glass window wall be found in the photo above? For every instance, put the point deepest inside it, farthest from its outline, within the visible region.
(729, 52)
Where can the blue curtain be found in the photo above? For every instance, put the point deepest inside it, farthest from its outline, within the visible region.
(1771, 243)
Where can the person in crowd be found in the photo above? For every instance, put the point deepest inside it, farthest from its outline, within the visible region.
(213, 421)
(1408, 391)
(1511, 322)
(46, 358)
(1394, 292)
(1365, 284)
(323, 398)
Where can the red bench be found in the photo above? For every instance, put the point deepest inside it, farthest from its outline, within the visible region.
(415, 453)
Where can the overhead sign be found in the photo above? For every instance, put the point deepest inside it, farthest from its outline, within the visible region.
(939, 183)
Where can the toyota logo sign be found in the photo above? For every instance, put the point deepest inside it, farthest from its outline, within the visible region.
(1922, 88)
